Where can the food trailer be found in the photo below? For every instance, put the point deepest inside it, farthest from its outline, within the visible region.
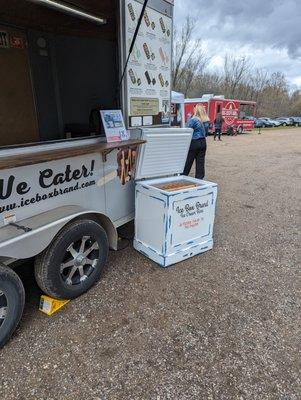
(65, 188)
(177, 110)
(233, 111)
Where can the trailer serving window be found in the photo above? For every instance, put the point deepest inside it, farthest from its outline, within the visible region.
(246, 109)
(58, 65)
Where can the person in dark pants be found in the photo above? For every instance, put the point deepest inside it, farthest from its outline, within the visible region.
(218, 122)
(198, 146)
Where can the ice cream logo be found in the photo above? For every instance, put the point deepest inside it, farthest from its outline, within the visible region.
(230, 113)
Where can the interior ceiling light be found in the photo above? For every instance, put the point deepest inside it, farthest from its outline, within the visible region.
(68, 9)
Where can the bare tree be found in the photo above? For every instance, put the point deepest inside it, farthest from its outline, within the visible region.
(206, 82)
(259, 79)
(236, 70)
(275, 97)
(239, 79)
(189, 58)
(295, 103)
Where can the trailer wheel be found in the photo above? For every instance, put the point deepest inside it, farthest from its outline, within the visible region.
(12, 297)
(240, 130)
(74, 260)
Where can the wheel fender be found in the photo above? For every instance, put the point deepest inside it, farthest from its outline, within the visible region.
(42, 228)
(107, 225)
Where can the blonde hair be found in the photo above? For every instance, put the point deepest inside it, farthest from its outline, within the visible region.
(200, 113)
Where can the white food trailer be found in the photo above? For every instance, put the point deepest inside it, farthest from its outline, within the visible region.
(64, 190)
(177, 113)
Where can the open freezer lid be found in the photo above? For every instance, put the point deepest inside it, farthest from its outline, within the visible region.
(164, 153)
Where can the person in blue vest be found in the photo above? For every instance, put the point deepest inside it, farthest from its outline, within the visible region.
(198, 146)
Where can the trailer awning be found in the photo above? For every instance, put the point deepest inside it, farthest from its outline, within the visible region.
(33, 15)
(70, 9)
(177, 98)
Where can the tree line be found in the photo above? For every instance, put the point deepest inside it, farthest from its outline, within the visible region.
(239, 78)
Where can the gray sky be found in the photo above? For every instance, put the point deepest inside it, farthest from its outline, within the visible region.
(268, 31)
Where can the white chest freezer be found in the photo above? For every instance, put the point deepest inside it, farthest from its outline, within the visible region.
(174, 214)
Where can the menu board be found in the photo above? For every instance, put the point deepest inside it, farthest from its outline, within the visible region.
(114, 125)
(148, 76)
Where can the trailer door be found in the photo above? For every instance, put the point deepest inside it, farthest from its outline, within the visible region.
(218, 108)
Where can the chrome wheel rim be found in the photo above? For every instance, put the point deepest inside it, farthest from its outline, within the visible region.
(3, 307)
(80, 260)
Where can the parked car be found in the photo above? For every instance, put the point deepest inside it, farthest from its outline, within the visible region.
(274, 122)
(296, 121)
(284, 121)
(263, 123)
(250, 118)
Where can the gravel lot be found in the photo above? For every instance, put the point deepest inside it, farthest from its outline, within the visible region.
(224, 325)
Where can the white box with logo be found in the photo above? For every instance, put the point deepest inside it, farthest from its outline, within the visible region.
(174, 215)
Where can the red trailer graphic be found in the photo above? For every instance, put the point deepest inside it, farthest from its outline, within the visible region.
(233, 112)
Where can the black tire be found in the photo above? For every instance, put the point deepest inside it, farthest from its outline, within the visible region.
(284, 124)
(12, 298)
(53, 273)
(240, 130)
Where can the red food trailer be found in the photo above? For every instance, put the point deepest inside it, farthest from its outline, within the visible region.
(233, 111)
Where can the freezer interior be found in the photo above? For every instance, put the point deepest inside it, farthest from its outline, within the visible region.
(175, 184)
